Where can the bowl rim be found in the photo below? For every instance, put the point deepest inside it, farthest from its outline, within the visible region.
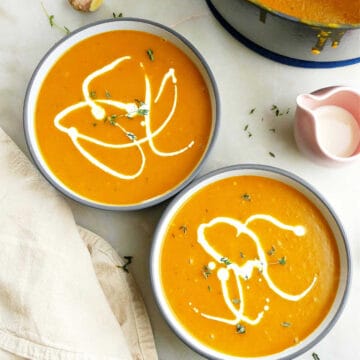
(212, 85)
(177, 201)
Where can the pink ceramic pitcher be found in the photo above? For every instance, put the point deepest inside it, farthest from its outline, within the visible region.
(327, 125)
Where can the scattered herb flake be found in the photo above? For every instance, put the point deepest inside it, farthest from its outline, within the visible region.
(209, 287)
(273, 130)
(51, 20)
(150, 54)
(92, 94)
(235, 301)
(117, 16)
(285, 324)
(107, 94)
(271, 251)
(112, 120)
(240, 329)
(246, 127)
(315, 356)
(142, 112)
(94, 124)
(249, 134)
(242, 255)
(246, 197)
(131, 136)
(282, 260)
(128, 262)
(225, 260)
(139, 102)
(271, 154)
(141, 109)
(206, 271)
(252, 111)
(183, 228)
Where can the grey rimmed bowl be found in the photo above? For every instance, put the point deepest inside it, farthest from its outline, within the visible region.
(291, 180)
(83, 33)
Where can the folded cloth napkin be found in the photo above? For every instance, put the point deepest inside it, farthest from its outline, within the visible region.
(62, 295)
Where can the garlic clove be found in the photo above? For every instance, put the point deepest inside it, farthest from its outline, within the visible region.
(85, 5)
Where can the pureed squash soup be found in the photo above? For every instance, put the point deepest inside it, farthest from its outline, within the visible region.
(249, 266)
(123, 117)
(318, 11)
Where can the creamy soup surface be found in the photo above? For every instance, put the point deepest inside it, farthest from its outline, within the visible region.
(249, 266)
(322, 11)
(123, 117)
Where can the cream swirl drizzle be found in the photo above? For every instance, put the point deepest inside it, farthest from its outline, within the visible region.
(245, 271)
(99, 114)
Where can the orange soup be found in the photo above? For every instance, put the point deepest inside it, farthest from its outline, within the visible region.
(123, 117)
(321, 11)
(249, 266)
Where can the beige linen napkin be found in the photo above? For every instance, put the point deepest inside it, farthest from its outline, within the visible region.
(61, 294)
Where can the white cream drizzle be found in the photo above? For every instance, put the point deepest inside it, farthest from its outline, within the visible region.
(245, 271)
(99, 114)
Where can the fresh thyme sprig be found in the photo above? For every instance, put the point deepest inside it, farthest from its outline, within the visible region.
(52, 21)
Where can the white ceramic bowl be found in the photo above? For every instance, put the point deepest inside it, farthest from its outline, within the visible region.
(79, 35)
(294, 182)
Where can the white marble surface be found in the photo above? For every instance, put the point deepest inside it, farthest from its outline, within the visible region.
(245, 81)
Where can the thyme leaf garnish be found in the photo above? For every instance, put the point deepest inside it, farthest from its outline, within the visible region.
(271, 251)
(282, 260)
(225, 260)
(183, 228)
(285, 324)
(240, 329)
(150, 54)
(235, 301)
(315, 356)
(112, 120)
(246, 197)
(206, 271)
(119, 15)
(271, 154)
(131, 136)
(141, 109)
(252, 111)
